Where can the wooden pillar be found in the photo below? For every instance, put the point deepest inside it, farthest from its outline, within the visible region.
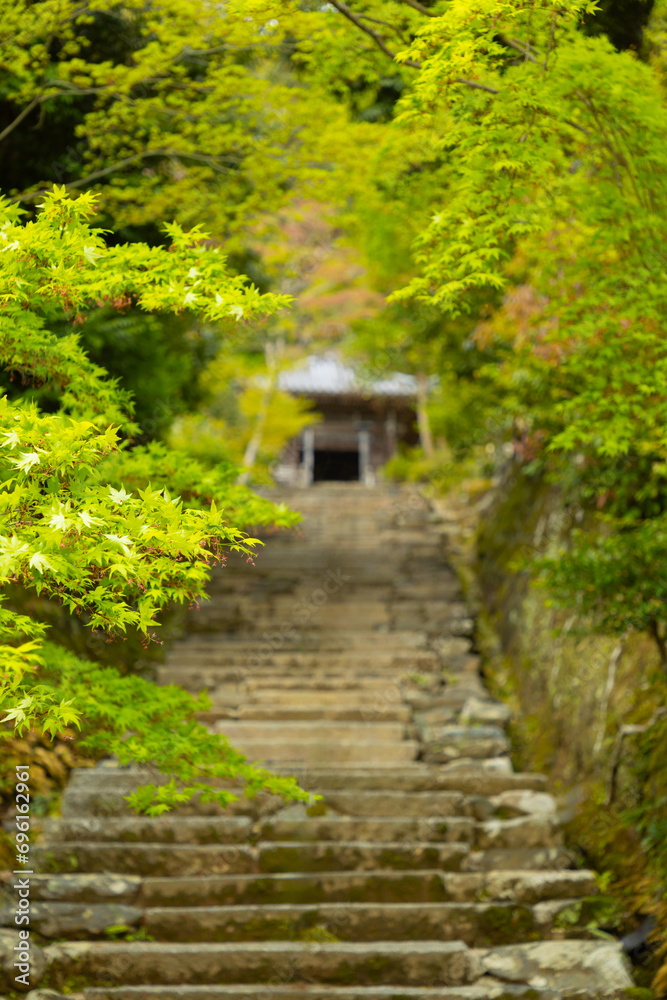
(308, 461)
(423, 423)
(391, 431)
(364, 456)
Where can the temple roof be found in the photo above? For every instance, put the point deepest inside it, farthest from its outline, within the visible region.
(328, 375)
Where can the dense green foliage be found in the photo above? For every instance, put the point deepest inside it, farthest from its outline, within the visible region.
(111, 554)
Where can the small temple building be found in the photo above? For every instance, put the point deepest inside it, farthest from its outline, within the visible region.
(362, 421)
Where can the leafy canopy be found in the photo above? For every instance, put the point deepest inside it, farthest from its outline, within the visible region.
(71, 528)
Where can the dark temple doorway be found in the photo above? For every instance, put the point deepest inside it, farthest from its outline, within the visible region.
(337, 466)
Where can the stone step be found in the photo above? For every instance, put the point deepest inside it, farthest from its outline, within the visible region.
(348, 614)
(477, 778)
(311, 678)
(513, 858)
(309, 698)
(270, 676)
(228, 697)
(466, 778)
(165, 829)
(565, 964)
(212, 653)
(465, 742)
(386, 753)
(305, 713)
(374, 566)
(240, 732)
(453, 695)
(403, 642)
(241, 829)
(396, 616)
(431, 829)
(293, 888)
(524, 832)
(270, 857)
(399, 962)
(101, 791)
(417, 886)
(332, 640)
(366, 802)
(493, 989)
(478, 924)
(303, 693)
(89, 801)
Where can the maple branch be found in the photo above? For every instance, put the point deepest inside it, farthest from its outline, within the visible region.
(43, 98)
(476, 86)
(420, 7)
(97, 174)
(392, 27)
(513, 44)
(19, 118)
(627, 730)
(343, 9)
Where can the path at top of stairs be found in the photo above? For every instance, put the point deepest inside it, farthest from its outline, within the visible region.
(430, 869)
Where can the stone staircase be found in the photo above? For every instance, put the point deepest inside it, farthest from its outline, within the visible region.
(428, 870)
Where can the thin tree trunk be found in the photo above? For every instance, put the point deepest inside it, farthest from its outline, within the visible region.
(654, 629)
(255, 442)
(606, 695)
(425, 436)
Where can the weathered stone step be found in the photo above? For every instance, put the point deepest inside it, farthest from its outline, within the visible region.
(453, 696)
(478, 924)
(272, 676)
(79, 921)
(386, 753)
(387, 886)
(370, 802)
(511, 859)
(450, 777)
(566, 964)
(270, 857)
(166, 829)
(101, 791)
(334, 614)
(330, 640)
(520, 832)
(474, 711)
(240, 732)
(228, 697)
(327, 887)
(304, 713)
(432, 828)
(241, 829)
(371, 684)
(310, 698)
(404, 963)
(217, 653)
(475, 779)
(89, 801)
(395, 615)
(493, 989)
(451, 742)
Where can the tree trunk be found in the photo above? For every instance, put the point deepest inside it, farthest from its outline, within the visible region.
(654, 629)
(255, 442)
(425, 436)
